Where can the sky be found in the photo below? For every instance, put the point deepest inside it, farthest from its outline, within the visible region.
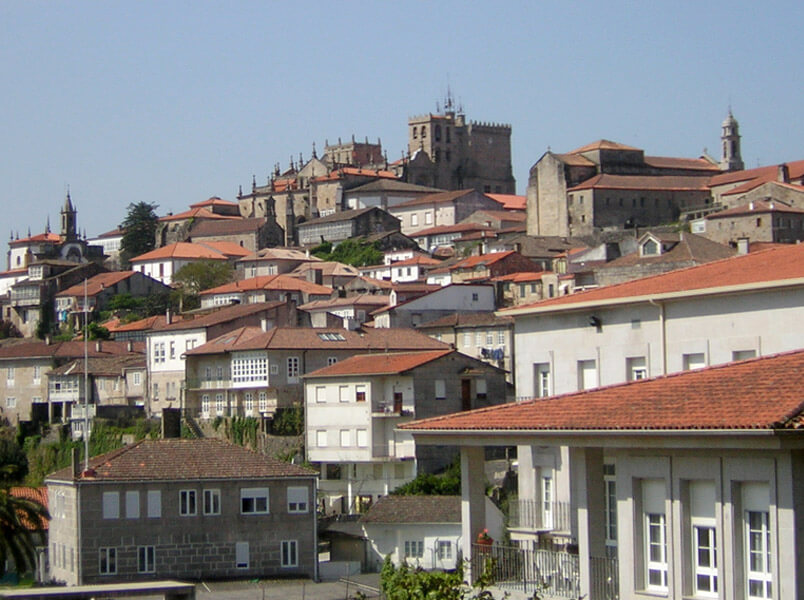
(173, 102)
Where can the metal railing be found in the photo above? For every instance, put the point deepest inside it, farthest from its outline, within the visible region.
(535, 515)
(548, 573)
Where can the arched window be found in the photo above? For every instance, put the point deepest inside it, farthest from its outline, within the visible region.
(437, 133)
(424, 131)
(414, 133)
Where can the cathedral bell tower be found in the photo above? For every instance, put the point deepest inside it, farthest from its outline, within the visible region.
(731, 159)
(68, 220)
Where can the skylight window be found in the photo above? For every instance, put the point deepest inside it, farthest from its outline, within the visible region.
(331, 337)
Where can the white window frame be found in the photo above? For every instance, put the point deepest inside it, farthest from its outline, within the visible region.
(292, 368)
(253, 496)
(212, 501)
(656, 562)
(263, 402)
(206, 405)
(440, 389)
(298, 499)
(703, 572)
(111, 505)
(320, 394)
(321, 438)
(637, 368)
(444, 550)
(362, 438)
(542, 383)
(761, 553)
(289, 550)
(188, 503)
(146, 559)
(107, 561)
(610, 484)
(414, 548)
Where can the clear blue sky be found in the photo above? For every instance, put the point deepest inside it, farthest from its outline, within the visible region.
(173, 102)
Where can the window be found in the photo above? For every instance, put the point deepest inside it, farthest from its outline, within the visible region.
(440, 389)
(609, 482)
(331, 360)
(704, 546)
(467, 339)
(501, 337)
(298, 499)
(478, 338)
(320, 393)
(11, 402)
(156, 392)
(547, 502)
(362, 438)
(757, 541)
(205, 405)
(482, 389)
(219, 405)
(414, 219)
(111, 505)
(145, 559)
(321, 438)
(587, 374)
(654, 534)
(10, 375)
(172, 350)
(541, 380)
(743, 354)
(187, 505)
(107, 561)
(248, 367)
(254, 501)
(344, 436)
(263, 402)
(154, 504)
(360, 393)
(212, 502)
(132, 505)
(636, 368)
(475, 297)
(290, 553)
(489, 338)
(248, 403)
(241, 555)
(293, 368)
(343, 393)
(444, 550)
(414, 548)
(37, 374)
(696, 360)
(428, 218)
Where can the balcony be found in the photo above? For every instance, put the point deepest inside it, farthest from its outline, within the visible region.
(213, 383)
(536, 516)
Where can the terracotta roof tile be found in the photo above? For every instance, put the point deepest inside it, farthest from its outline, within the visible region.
(219, 316)
(439, 198)
(467, 319)
(667, 162)
(379, 364)
(607, 181)
(602, 145)
(183, 250)
(51, 238)
(96, 284)
(753, 394)
(470, 262)
(71, 349)
(457, 228)
(33, 494)
(229, 249)
(756, 207)
(510, 201)
(270, 282)
(183, 460)
(196, 213)
(153, 322)
(768, 266)
(371, 300)
(767, 173)
(214, 201)
(414, 509)
(226, 227)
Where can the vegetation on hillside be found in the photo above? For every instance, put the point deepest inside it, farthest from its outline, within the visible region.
(350, 252)
(447, 483)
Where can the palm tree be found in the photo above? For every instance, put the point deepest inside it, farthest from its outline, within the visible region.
(20, 519)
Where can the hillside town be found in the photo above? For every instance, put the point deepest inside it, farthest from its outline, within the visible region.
(605, 365)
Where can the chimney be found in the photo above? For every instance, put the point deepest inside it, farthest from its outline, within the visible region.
(75, 461)
(48, 340)
(742, 245)
(98, 346)
(129, 346)
(751, 205)
(168, 316)
(264, 324)
(783, 173)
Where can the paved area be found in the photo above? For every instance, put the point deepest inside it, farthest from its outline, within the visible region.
(367, 583)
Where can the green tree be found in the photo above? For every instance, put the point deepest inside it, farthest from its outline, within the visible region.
(13, 459)
(196, 277)
(123, 303)
(139, 230)
(19, 518)
(350, 252)
(447, 483)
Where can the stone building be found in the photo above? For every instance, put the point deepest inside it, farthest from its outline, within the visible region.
(181, 509)
(439, 209)
(346, 224)
(448, 152)
(757, 221)
(251, 234)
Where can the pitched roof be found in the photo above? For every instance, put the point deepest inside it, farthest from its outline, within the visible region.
(33, 494)
(437, 198)
(96, 284)
(227, 227)
(667, 162)
(574, 160)
(269, 282)
(196, 213)
(268, 254)
(414, 509)
(420, 259)
(470, 262)
(217, 317)
(688, 248)
(503, 215)
(229, 249)
(325, 338)
(607, 181)
(343, 215)
(184, 460)
(214, 201)
(767, 173)
(181, 250)
(602, 145)
(340, 172)
(753, 394)
(372, 300)
(522, 276)
(457, 228)
(328, 268)
(108, 366)
(781, 266)
(153, 322)
(756, 207)
(510, 201)
(51, 238)
(71, 349)
(467, 319)
(379, 364)
(392, 185)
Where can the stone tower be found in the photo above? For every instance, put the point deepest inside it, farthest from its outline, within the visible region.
(68, 220)
(731, 159)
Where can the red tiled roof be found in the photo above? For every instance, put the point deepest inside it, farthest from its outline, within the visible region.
(471, 262)
(142, 325)
(182, 250)
(419, 259)
(438, 198)
(758, 206)
(72, 349)
(33, 494)
(414, 510)
(379, 364)
(96, 284)
(518, 277)
(575, 160)
(354, 171)
(753, 394)
(667, 162)
(767, 173)
(221, 315)
(457, 228)
(229, 249)
(308, 338)
(184, 459)
(52, 238)
(213, 201)
(371, 300)
(774, 265)
(607, 181)
(602, 145)
(196, 213)
(510, 201)
(269, 282)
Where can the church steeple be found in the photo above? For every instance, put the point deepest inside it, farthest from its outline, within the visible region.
(68, 219)
(731, 159)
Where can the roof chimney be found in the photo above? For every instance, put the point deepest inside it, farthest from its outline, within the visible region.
(264, 324)
(168, 316)
(129, 346)
(98, 346)
(783, 173)
(751, 205)
(742, 245)
(75, 461)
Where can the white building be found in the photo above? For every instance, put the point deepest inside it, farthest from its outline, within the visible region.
(444, 301)
(684, 486)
